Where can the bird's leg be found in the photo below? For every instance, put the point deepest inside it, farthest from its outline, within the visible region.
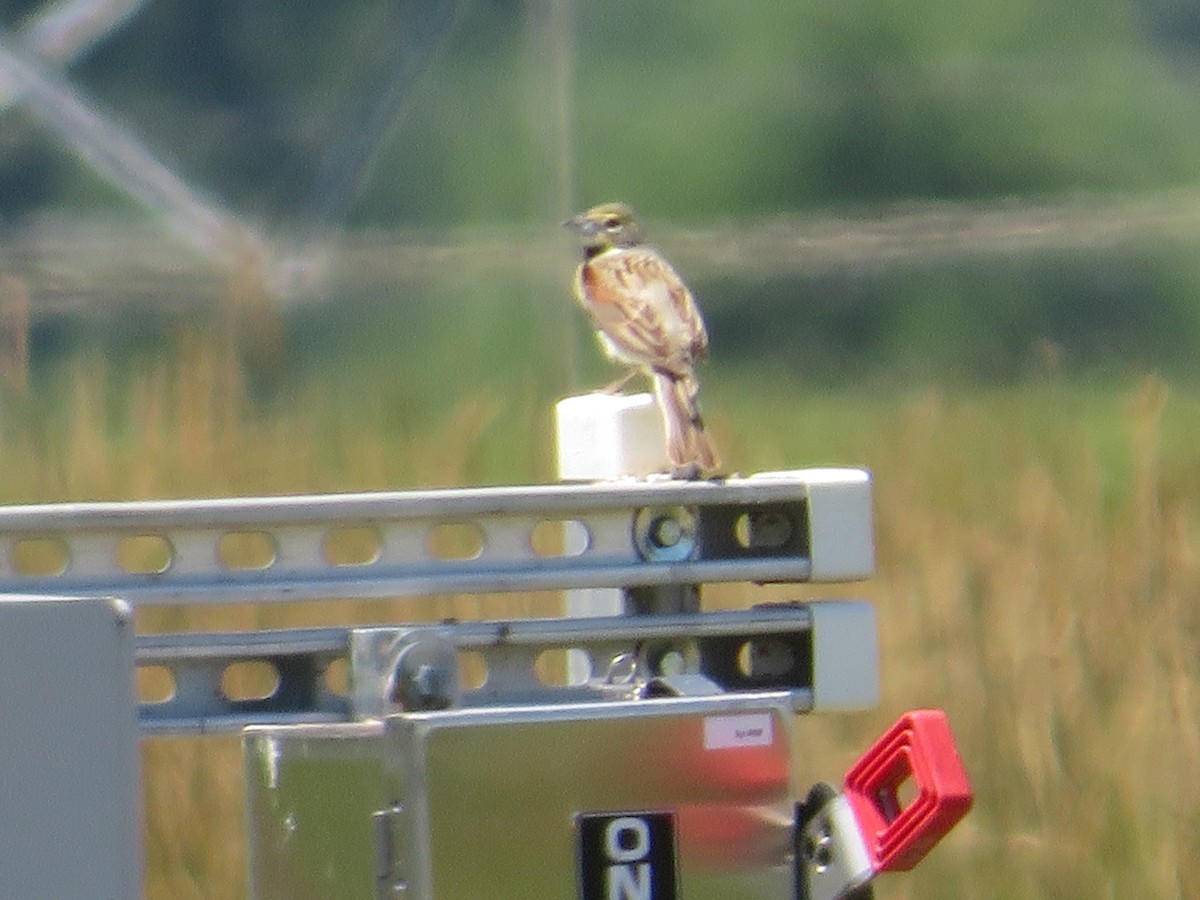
(616, 386)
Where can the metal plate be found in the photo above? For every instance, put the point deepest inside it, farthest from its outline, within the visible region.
(511, 785)
(486, 802)
(311, 791)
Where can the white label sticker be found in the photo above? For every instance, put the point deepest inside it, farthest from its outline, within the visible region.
(750, 730)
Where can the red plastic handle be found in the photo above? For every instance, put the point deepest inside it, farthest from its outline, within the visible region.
(921, 747)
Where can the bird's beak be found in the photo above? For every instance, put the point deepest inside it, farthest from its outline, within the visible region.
(582, 224)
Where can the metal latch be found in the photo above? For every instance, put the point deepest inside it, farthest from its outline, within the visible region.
(844, 839)
(390, 827)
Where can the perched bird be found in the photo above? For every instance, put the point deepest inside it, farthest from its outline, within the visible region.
(646, 318)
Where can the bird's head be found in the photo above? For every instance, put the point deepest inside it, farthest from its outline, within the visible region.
(607, 225)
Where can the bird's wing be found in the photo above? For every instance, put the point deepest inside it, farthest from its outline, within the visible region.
(638, 300)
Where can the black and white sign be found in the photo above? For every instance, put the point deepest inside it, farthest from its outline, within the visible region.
(627, 856)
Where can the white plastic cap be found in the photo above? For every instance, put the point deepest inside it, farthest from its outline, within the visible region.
(604, 436)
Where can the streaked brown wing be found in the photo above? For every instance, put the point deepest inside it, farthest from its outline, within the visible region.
(640, 302)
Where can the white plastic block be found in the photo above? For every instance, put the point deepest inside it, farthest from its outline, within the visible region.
(582, 603)
(845, 655)
(603, 436)
(841, 526)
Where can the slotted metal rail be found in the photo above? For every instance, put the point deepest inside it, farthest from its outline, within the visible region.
(639, 535)
(631, 656)
(764, 529)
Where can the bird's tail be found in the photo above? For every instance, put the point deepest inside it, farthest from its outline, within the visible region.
(688, 443)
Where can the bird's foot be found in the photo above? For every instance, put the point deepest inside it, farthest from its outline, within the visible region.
(615, 387)
(687, 472)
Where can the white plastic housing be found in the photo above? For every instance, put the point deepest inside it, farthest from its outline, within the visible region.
(603, 436)
(69, 805)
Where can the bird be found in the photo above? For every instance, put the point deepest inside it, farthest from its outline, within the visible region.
(646, 318)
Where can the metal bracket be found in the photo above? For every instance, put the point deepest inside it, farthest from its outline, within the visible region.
(832, 859)
(391, 827)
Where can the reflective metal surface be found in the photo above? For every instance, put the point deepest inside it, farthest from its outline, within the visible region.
(834, 862)
(310, 794)
(470, 803)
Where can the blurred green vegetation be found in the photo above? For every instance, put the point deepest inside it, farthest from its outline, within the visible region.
(691, 109)
(695, 112)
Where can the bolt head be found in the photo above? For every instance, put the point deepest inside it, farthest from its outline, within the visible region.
(667, 532)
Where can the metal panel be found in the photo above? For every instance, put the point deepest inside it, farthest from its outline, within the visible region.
(486, 802)
(311, 791)
(69, 812)
(732, 804)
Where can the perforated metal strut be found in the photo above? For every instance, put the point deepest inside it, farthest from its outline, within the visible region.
(764, 650)
(808, 656)
(655, 539)
(784, 527)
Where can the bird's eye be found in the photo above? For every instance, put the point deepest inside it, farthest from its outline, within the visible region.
(612, 223)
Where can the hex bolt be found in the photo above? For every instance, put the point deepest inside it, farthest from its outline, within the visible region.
(426, 683)
(666, 532)
(426, 676)
(818, 848)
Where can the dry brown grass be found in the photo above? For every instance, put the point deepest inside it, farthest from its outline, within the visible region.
(1049, 604)
(1039, 574)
